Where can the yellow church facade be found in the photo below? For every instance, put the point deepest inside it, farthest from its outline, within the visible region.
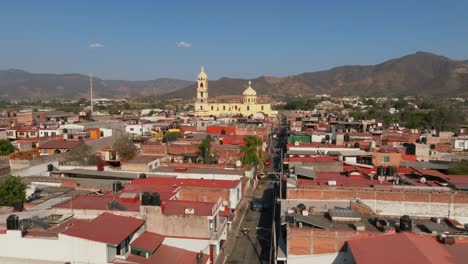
(248, 106)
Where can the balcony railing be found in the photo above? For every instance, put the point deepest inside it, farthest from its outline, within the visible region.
(217, 233)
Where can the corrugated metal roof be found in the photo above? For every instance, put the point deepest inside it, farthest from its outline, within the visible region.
(343, 213)
(305, 171)
(314, 221)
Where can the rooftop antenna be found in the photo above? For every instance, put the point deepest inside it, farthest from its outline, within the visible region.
(91, 88)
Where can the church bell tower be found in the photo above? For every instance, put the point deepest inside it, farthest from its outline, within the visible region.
(201, 104)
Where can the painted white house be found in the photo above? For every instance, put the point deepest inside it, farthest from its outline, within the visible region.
(138, 129)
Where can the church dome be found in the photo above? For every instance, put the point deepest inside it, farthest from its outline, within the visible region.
(202, 74)
(249, 90)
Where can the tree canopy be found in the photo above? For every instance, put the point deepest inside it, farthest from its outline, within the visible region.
(125, 148)
(206, 151)
(252, 154)
(11, 190)
(171, 136)
(6, 148)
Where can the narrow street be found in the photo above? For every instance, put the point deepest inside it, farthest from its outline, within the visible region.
(250, 240)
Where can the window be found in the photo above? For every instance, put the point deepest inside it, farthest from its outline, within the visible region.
(131, 129)
(224, 108)
(262, 107)
(248, 108)
(201, 94)
(212, 108)
(201, 85)
(235, 107)
(201, 107)
(385, 159)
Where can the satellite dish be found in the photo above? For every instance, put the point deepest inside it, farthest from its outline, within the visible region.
(422, 180)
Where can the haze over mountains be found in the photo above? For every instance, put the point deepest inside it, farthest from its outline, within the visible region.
(422, 73)
(21, 84)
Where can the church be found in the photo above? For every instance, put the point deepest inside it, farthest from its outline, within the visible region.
(246, 107)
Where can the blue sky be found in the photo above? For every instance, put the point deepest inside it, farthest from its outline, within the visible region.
(231, 38)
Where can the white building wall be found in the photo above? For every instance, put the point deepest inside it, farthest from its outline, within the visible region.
(194, 245)
(334, 258)
(49, 132)
(35, 170)
(317, 137)
(106, 132)
(235, 195)
(398, 208)
(184, 175)
(63, 248)
(138, 129)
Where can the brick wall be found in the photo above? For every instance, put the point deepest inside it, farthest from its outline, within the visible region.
(313, 241)
(203, 194)
(395, 202)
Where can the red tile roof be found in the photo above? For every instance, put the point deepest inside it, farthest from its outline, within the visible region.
(314, 145)
(59, 144)
(322, 179)
(167, 254)
(313, 159)
(106, 228)
(170, 182)
(399, 248)
(458, 179)
(427, 172)
(176, 207)
(98, 203)
(148, 241)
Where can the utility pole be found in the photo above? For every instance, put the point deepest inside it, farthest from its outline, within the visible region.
(91, 89)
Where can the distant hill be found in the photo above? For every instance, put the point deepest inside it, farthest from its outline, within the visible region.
(422, 73)
(21, 84)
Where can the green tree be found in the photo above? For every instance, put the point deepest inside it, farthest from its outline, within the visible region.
(125, 148)
(11, 189)
(414, 119)
(171, 136)
(206, 151)
(6, 148)
(444, 117)
(458, 168)
(252, 154)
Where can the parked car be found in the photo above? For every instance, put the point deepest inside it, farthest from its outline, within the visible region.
(256, 204)
(261, 175)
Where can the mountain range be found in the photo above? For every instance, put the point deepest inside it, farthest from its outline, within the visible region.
(421, 73)
(21, 84)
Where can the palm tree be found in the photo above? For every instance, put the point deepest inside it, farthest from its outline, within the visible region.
(252, 154)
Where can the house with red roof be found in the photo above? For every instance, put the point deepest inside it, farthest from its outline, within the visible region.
(405, 248)
(189, 220)
(57, 146)
(61, 238)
